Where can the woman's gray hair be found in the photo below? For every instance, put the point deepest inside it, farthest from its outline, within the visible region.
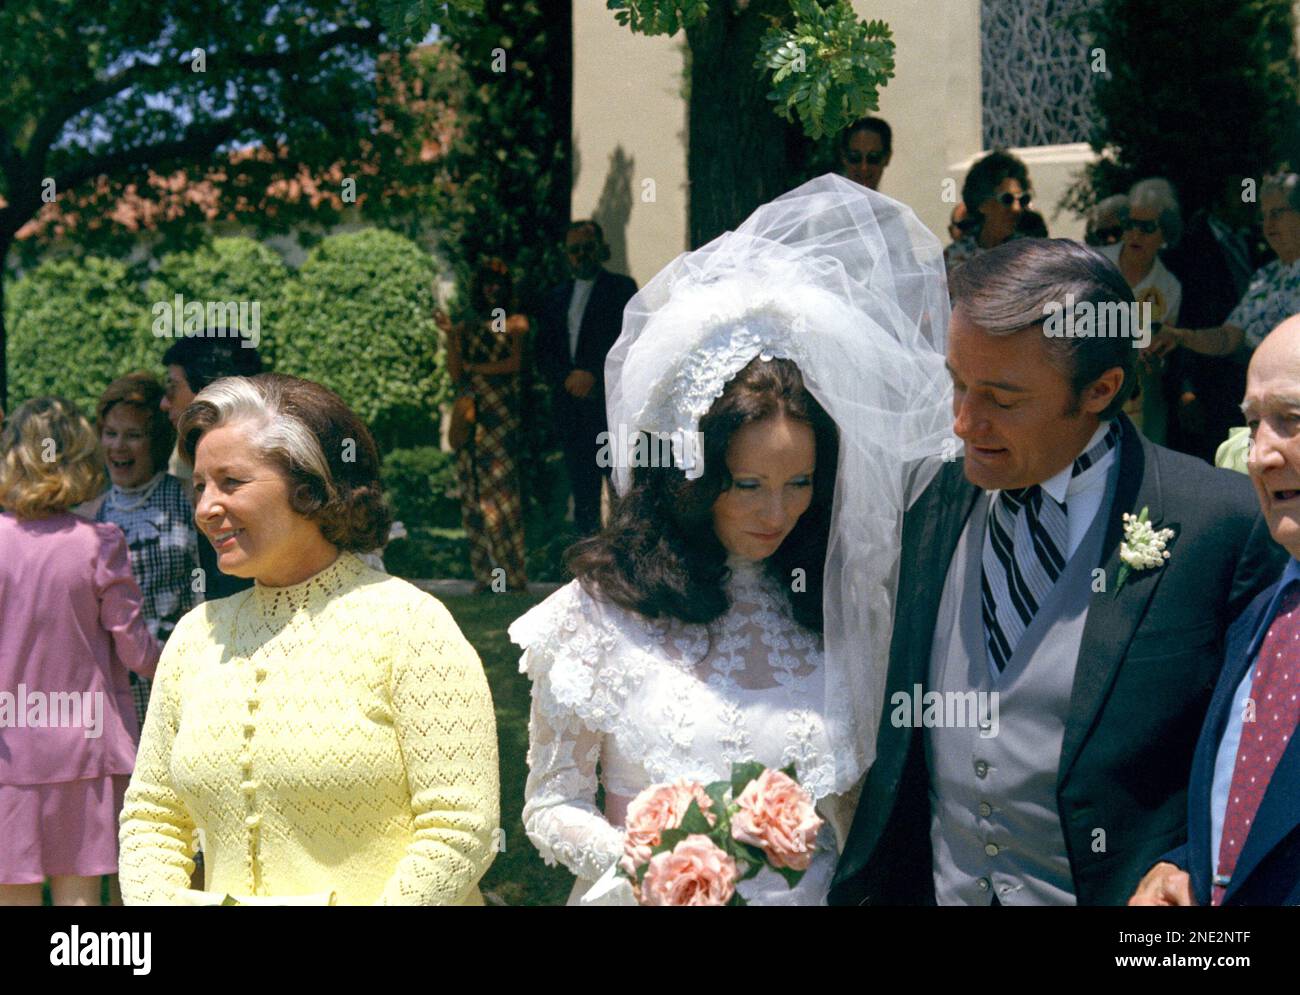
(1021, 283)
(1287, 184)
(324, 450)
(1158, 194)
(275, 430)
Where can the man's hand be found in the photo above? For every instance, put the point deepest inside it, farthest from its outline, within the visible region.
(579, 383)
(1164, 884)
(442, 320)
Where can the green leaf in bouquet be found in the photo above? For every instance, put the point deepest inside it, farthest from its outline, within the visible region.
(230, 900)
(668, 839)
(737, 899)
(753, 858)
(789, 771)
(694, 821)
(717, 792)
(742, 774)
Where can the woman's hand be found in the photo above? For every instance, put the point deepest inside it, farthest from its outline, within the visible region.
(1164, 342)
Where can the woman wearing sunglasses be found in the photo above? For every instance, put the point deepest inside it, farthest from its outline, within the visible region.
(996, 193)
(1152, 220)
(866, 147)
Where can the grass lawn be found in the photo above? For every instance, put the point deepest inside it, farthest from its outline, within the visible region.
(517, 876)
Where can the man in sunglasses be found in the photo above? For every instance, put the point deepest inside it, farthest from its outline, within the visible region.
(578, 323)
(996, 193)
(866, 147)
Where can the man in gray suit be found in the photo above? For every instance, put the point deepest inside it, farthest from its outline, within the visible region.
(1090, 675)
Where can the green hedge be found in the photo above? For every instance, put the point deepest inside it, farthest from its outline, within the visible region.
(73, 326)
(421, 487)
(361, 324)
(229, 269)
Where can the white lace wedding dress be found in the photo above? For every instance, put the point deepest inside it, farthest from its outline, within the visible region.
(647, 702)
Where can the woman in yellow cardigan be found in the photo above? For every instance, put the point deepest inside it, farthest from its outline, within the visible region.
(329, 733)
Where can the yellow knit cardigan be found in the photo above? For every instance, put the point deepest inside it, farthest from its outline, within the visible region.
(334, 739)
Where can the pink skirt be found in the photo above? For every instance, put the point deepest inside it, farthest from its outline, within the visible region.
(68, 829)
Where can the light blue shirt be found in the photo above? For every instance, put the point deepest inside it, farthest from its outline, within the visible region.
(1225, 761)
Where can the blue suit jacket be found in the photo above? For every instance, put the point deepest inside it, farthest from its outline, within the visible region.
(1268, 870)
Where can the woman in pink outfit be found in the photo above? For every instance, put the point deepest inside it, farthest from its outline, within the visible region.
(70, 628)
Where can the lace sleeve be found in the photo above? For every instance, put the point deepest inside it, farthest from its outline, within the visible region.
(565, 642)
(560, 813)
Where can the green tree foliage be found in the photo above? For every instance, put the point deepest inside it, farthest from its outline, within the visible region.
(100, 96)
(1197, 91)
(826, 65)
(358, 319)
(75, 326)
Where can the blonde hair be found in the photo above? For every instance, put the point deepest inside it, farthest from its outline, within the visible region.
(49, 459)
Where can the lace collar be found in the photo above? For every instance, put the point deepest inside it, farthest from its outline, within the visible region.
(277, 604)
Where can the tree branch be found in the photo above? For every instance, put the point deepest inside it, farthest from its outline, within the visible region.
(195, 143)
(221, 67)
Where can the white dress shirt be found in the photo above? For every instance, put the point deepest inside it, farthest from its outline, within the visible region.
(577, 307)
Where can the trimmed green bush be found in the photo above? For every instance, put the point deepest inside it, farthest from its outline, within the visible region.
(358, 319)
(75, 325)
(229, 269)
(421, 487)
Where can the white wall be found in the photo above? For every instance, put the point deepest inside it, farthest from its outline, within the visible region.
(629, 140)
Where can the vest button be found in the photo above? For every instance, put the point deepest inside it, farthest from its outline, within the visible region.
(983, 884)
(991, 849)
(985, 809)
(981, 768)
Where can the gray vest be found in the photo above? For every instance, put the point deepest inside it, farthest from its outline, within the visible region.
(994, 824)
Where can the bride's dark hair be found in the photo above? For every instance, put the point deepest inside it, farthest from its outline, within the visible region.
(659, 554)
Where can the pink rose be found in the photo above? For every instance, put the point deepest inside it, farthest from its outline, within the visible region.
(658, 807)
(695, 872)
(777, 815)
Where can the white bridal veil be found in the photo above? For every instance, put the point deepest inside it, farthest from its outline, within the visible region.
(849, 285)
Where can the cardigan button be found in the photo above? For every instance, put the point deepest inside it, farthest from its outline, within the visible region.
(252, 821)
(248, 787)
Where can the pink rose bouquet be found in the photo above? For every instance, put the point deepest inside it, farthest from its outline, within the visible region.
(690, 844)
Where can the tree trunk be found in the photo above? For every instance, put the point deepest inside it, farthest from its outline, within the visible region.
(742, 154)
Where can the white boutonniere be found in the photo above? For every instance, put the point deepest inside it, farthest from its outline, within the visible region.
(1143, 546)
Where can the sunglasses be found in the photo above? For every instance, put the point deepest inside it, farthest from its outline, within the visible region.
(1108, 236)
(1145, 227)
(1008, 198)
(854, 158)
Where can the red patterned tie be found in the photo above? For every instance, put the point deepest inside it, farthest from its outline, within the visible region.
(1275, 693)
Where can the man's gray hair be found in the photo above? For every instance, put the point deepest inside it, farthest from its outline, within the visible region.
(1158, 194)
(1287, 184)
(1020, 283)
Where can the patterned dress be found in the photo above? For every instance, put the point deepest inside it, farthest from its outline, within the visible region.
(158, 522)
(490, 503)
(1272, 297)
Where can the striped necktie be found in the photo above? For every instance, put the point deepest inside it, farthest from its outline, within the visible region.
(1025, 554)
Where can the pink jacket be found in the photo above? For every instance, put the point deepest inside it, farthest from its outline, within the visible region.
(70, 627)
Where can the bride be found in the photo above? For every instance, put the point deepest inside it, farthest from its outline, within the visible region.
(738, 604)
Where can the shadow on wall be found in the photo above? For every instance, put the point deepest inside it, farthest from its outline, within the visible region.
(614, 208)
